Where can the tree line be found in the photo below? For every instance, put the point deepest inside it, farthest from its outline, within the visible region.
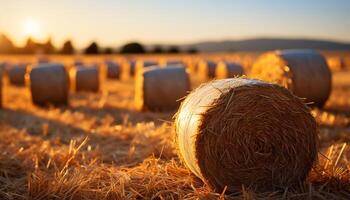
(67, 48)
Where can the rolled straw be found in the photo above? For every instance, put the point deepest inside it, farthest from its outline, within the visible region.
(206, 69)
(48, 83)
(113, 70)
(228, 70)
(159, 89)
(141, 64)
(336, 63)
(16, 74)
(304, 72)
(240, 132)
(2, 69)
(86, 78)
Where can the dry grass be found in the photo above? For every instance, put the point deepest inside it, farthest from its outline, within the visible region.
(100, 148)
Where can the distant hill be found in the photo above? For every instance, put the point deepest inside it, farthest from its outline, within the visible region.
(266, 44)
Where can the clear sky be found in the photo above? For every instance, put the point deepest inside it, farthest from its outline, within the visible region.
(114, 22)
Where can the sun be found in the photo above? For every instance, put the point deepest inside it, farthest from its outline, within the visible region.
(31, 27)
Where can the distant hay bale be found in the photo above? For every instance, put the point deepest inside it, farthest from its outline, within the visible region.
(129, 67)
(2, 69)
(113, 70)
(229, 132)
(86, 78)
(228, 70)
(336, 63)
(174, 62)
(43, 60)
(16, 74)
(159, 89)
(304, 72)
(78, 62)
(206, 69)
(141, 64)
(48, 83)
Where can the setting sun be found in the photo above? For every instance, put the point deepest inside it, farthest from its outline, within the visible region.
(31, 27)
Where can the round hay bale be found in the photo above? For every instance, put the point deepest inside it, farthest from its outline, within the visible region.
(206, 69)
(336, 63)
(43, 60)
(304, 72)
(86, 78)
(2, 69)
(48, 83)
(228, 70)
(16, 74)
(78, 62)
(174, 62)
(129, 66)
(229, 132)
(159, 89)
(141, 64)
(113, 70)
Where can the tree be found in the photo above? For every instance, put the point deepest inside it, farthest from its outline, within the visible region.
(30, 47)
(174, 49)
(108, 50)
(48, 47)
(67, 48)
(6, 45)
(192, 50)
(92, 49)
(157, 49)
(133, 47)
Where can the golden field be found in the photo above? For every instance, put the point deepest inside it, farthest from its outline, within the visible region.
(100, 147)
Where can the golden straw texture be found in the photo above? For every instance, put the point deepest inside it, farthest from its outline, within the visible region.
(235, 132)
(304, 72)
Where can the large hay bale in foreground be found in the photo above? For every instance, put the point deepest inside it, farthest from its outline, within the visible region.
(159, 89)
(235, 132)
(206, 69)
(49, 84)
(304, 72)
(16, 74)
(86, 78)
(228, 70)
(113, 70)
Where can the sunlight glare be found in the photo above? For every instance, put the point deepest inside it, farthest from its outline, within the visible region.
(31, 27)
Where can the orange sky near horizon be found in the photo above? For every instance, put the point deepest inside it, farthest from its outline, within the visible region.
(112, 23)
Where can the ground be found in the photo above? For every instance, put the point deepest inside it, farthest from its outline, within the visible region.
(99, 147)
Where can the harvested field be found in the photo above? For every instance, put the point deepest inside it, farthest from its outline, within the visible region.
(100, 147)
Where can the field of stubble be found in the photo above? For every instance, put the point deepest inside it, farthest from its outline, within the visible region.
(99, 147)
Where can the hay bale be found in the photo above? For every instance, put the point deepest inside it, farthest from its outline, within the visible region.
(16, 74)
(228, 70)
(48, 83)
(86, 78)
(2, 69)
(43, 60)
(304, 72)
(113, 70)
(206, 69)
(129, 66)
(229, 132)
(174, 62)
(78, 62)
(159, 89)
(336, 63)
(141, 64)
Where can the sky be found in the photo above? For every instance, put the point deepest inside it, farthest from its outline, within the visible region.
(115, 22)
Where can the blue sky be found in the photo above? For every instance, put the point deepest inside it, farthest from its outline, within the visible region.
(114, 22)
